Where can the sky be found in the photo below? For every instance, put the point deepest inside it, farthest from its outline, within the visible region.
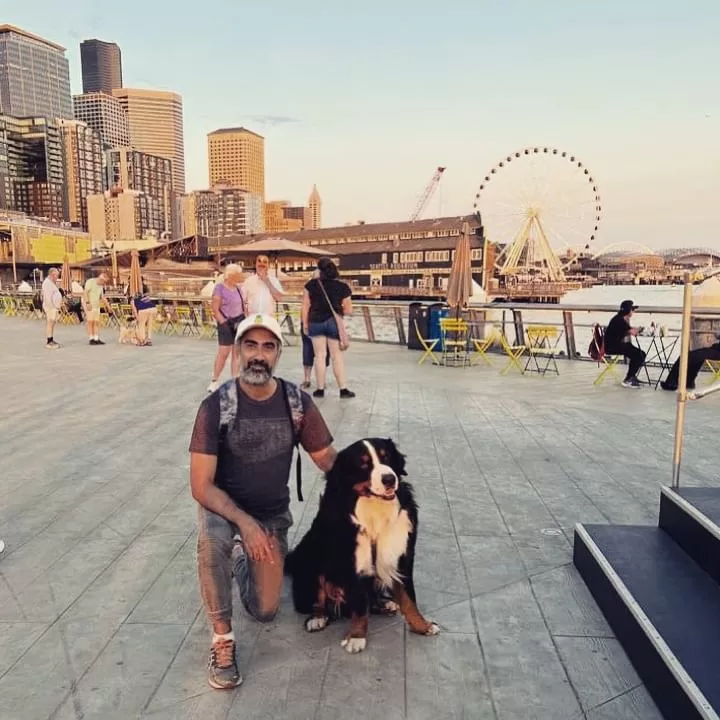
(367, 99)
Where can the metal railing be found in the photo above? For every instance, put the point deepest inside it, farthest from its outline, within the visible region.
(386, 322)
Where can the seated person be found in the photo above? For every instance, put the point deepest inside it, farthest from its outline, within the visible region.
(696, 359)
(618, 341)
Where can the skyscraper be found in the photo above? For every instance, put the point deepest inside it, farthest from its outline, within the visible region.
(220, 213)
(83, 168)
(34, 174)
(236, 158)
(34, 76)
(156, 126)
(101, 66)
(132, 170)
(105, 115)
(315, 207)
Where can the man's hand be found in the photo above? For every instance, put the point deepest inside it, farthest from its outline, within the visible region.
(257, 543)
(274, 292)
(634, 331)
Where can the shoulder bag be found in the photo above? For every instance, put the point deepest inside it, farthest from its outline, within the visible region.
(339, 321)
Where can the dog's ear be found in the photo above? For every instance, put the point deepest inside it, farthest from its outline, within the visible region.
(340, 468)
(397, 459)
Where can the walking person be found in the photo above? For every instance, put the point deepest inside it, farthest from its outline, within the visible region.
(240, 456)
(52, 301)
(94, 299)
(144, 310)
(308, 354)
(261, 291)
(327, 301)
(618, 341)
(228, 309)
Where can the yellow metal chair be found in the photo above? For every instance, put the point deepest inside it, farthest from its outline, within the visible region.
(514, 353)
(542, 343)
(714, 367)
(428, 345)
(67, 317)
(160, 320)
(9, 306)
(186, 320)
(609, 367)
(28, 310)
(481, 345)
(208, 326)
(454, 339)
(125, 314)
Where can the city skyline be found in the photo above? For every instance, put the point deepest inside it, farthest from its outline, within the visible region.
(368, 101)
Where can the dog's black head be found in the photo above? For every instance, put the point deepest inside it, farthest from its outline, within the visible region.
(369, 467)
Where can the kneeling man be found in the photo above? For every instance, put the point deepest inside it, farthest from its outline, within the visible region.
(240, 456)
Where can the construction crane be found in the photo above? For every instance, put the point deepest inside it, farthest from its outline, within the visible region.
(427, 194)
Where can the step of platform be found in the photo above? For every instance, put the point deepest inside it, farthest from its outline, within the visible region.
(663, 608)
(691, 516)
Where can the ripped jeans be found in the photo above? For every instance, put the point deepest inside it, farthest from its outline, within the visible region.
(260, 583)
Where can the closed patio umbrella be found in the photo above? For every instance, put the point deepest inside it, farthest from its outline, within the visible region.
(65, 281)
(135, 276)
(460, 283)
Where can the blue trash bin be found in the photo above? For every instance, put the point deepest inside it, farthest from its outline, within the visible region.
(437, 311)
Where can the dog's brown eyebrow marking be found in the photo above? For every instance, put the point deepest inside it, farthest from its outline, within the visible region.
(365, 459)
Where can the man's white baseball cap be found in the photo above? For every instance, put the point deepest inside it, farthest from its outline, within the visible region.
(268, 322)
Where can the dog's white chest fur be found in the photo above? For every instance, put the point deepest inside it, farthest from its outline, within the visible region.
(384, 526)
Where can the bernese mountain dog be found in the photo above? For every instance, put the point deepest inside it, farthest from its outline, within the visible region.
(360, 549)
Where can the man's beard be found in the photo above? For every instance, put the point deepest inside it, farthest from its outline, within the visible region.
(257, 372)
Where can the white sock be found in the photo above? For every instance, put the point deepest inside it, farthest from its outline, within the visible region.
(226, 636)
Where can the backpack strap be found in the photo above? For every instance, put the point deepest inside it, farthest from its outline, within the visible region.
(294, 407)
(227, 393)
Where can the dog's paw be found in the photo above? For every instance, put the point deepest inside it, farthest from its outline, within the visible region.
(353, 644)
(315, 624)
(433, 629)
(385, 607)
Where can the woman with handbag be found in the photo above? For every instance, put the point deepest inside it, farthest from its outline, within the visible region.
(326, 302)
(228, 309)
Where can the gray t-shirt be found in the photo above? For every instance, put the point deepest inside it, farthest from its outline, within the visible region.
(254, 458)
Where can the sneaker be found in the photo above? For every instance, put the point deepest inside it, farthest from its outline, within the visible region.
(632, 382)
(319, 393)
(99, 342)
(666, 386)
(93, 342)
(213, 386)
(52, 345)
(345, 393)
(222, 666)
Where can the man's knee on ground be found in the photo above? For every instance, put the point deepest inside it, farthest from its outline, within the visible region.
(264, 614)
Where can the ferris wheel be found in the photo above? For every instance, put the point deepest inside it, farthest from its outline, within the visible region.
(543, 205)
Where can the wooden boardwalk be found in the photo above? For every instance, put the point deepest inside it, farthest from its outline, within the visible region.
(99, 609)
